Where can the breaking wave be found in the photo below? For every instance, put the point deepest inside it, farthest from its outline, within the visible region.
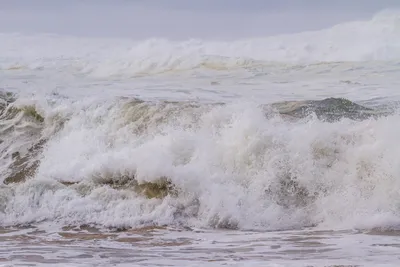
(127, 163)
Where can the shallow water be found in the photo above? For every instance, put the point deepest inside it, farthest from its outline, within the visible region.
(195, 247)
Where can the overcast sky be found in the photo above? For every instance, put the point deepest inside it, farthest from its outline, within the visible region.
(182, 19)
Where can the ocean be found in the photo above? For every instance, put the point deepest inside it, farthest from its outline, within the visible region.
(268, 151)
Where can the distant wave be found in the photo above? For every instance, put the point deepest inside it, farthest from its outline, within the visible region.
(375, 40)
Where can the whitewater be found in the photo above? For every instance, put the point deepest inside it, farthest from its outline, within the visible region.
(272, 151)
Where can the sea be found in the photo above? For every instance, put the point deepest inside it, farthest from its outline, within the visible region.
(270, 151)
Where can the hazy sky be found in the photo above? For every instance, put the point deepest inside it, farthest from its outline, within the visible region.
(216, 19)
